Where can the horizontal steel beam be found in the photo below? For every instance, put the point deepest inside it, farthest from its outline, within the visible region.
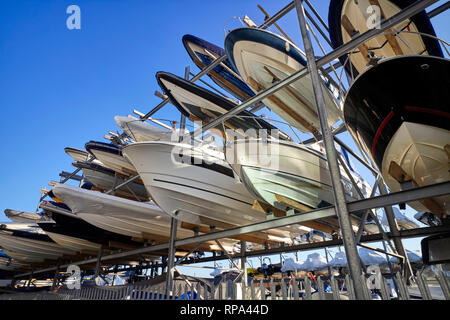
(433, 13)
(420, 193)
(376, 202)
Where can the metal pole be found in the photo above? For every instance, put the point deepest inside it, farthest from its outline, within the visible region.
(122, 184)
(55, 278)
(170, 264)
(338, 191)
(393, 228)
(244, 263)
(97, 266)
(439, 10)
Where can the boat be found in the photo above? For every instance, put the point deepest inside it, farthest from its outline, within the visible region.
(203, 53)
(196, 185)
(30, 245)
(105, 179)
(80, 155)
(138, 220)
(403, 123)
(347, 18)
(22, 216)
(110, 156)
(142, 131)
(287, 175)
(71, 231)
(403, 222)
(264, 58)
(77, 154)
(199, 104)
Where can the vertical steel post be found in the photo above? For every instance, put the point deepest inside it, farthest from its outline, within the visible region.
(55, 278)
(393, 228)
(170, 263)
(338, 191)
(244, 264)
(97, 266)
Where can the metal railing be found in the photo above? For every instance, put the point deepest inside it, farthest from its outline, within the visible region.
(376, 287)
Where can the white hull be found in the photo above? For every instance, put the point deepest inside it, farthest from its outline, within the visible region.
(75, 244)
(251, 59)
(408, 43)
(289, 170)
(114, 162)
(115, 214)
(419, 150)
(106, 182)
(194, 193)
(142, 131)
(43, 249)
(22, 216)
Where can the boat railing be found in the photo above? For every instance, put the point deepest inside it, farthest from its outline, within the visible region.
(444, 44)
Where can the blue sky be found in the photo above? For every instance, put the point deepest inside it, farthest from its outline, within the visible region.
(63, 87)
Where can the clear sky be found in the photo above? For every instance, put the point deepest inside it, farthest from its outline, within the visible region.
(61, 87)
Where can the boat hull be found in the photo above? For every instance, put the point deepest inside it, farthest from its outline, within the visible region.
(22, 216)
(30, 247)
(105, 179)
(291, 171)
(419, 150)
(403, 43)
(262, 58)
(195, 191)
(122, 216)
(140, 130)
(73, 243)
(408, 124)
(110, 156)
(203, 53)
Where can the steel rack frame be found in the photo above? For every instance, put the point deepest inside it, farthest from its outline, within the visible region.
(342, 209)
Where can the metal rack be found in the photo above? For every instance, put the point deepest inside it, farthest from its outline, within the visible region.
(342, 209)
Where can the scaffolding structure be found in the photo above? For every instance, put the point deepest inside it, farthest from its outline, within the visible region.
(342, 208)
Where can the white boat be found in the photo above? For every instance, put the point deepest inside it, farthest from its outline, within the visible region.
(22, 216)
(110, 156)
(105, 179)
(36, 244)
(140, 220)
(404, 126)
(80, 155)
(262, 58)
(403, 222)
(70, 230)
(142, 131)
(282, 172)
(199, 187)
